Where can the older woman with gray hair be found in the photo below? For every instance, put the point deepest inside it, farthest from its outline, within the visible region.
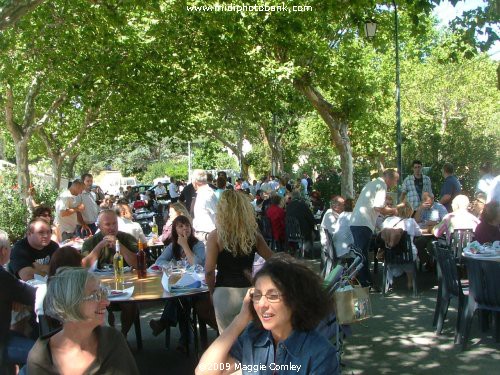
(83, 345)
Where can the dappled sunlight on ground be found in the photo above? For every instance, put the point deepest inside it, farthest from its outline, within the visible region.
(399, 338)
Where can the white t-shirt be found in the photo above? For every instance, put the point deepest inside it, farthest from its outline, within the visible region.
(133, 228)
(64, 201)
(205, 207)
(410, 226)
(342, 235)
(172, 190)
(329, 219)
(91, 208)
(372, 196)
(160, 190)
(494, 192)
(304, 184)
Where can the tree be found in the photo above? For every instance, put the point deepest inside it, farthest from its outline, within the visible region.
(13, 10)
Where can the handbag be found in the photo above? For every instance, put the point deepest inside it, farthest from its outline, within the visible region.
(352, 304)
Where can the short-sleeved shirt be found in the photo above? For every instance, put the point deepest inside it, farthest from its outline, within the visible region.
(107, 254)
(23, 255)
(436, 213)
(414, 188)
(91, 210)
(451, 186)
(65, 201)
(306, 353)
(372, 196)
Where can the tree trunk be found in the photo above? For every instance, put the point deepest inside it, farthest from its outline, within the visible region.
(338, 127)
(57, 166)
(14, 10)
(70, 166)
(23, 174)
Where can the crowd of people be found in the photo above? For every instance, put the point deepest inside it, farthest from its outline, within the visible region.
(215, 226)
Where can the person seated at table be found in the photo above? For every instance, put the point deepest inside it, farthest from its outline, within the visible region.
(316, 202)
(83, 345)
(488, 230)
(31, 255)
(427, 215)
(276, 325)
(404, 222)
(331, 216)
(341, 231)
(45, 212)
(100, 250)
(174, 210)
(231, 248)
(276, 215)
(459, 218)
(126, 225)
(185, 246)
(14, 347)
(66, 256)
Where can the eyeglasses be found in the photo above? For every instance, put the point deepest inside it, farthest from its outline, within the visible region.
(99, 295)
(272, 296)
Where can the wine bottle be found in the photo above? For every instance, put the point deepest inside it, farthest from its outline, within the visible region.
(141, 261)
(118, 264)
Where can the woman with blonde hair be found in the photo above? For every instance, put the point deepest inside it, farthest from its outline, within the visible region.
(231, 248)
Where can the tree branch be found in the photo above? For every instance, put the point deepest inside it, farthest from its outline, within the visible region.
(15, 130)
(14, 10)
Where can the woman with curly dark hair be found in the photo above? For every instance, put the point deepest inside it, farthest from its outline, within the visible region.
(275, 329)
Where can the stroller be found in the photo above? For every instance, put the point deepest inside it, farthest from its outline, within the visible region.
(339, 277)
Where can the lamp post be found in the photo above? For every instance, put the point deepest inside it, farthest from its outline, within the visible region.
(370, 29)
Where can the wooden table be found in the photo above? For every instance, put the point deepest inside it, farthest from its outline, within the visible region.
(148, 289)
(151, 289)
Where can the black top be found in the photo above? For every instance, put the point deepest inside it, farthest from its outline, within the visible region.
(12, 290)
(299, 210)
(23, 255)
(234, 272)
(187, 195)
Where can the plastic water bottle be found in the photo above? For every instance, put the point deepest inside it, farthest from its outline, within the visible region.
(118, 264)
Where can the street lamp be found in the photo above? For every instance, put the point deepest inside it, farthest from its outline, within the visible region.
(370, 28)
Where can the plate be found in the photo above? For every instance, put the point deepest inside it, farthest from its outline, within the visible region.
(116, 293)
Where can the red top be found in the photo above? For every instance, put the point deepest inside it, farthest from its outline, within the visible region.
(277, 216)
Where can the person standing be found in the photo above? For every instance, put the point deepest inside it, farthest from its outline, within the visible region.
(90, 208)
(451, 186)
(173, 190)
(485, 181)
(205, 206)
(67, 209)
(160, 191)
(371, 202)
(415, 185)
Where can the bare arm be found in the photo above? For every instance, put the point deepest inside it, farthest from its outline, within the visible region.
(445, 199)
(28, 273)
(403, 196)
(218, 352)
(93, 256)
(211, 260)
(129, 256)
(386, 211)
(262, 248)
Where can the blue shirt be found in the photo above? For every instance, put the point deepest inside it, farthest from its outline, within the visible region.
(302, 353)
(436, 213)
(451, 186)
(168, 254)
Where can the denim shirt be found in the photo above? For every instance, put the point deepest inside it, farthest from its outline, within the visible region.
(304, 353)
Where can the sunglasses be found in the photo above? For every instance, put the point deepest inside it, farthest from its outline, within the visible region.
(99, 295)
(272, 296)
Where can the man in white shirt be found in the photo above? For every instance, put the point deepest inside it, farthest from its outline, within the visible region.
(173, 190)
(91, 210)
(125, 223)
(330, 217)
(160, 190)
(304, 183)
(370, 203)
(205, 206)
(67, 208)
